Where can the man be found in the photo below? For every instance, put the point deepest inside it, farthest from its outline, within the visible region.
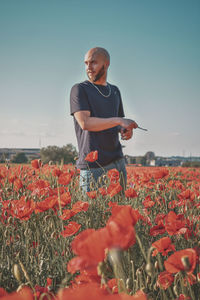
(98, 118)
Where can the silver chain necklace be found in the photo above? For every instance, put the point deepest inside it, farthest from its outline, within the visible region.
(106, 96)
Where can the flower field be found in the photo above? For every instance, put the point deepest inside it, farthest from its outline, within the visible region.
(57, 243)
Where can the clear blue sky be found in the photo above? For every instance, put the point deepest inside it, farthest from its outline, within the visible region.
(155, 61)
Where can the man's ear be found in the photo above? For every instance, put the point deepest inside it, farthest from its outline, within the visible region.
(107, 64)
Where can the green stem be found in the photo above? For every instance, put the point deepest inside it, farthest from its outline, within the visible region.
(141, 247)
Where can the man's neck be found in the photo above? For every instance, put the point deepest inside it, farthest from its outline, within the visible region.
(99, 82)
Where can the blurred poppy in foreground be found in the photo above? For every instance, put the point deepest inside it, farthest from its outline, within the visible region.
(24, 293)
(93, 291)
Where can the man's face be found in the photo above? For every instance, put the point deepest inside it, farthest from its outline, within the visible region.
(95, 66)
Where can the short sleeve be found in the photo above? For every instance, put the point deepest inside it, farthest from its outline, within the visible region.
(78, 99)
(121, 109)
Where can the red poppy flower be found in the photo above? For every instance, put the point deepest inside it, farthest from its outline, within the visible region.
(18, 184)
(165, 279)
(57, 172)
(175, 224)
(124, 215)
(91, 244)
(130, 193)
(67, 214)
(85, 277)
(92, 156)
(139, 295)
(183, 297)
(89, 291)
(65, 198)
(22, 209)
(2, 292)
(148, 202)
(71, 229)
(175, 262)
(11, 178)
(113, 285)
(46, 204)
(77, 263)
(92, 194)
(39, 187)
(80, 206)
(24, 293)
(163, 246)
(120, 236)
(65, 178)
(113, 189)
(187, 194)
(36, 163)
(157, 229)
(113, 174)
(102, 191)
(120, 227)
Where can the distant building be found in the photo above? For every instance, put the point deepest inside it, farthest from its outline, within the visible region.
(149, 159)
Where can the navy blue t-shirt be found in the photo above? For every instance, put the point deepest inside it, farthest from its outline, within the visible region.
(84, 96)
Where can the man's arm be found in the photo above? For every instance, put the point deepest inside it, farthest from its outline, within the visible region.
(89, 123)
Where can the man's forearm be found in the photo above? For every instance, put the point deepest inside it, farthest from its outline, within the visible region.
(99, 124)
(89, 123)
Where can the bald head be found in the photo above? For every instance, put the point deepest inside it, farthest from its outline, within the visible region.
(100, 51)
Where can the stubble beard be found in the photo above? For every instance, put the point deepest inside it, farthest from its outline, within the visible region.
(98, 75)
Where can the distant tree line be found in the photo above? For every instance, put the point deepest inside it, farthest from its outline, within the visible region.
(65, 154)
(55, 154)
(191, 164)
(18, 158)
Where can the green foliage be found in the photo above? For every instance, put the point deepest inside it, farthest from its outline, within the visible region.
(20, 158)
(191, 164)
(57, 154)
(4, 156)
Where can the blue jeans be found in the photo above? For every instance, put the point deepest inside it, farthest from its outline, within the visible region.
(86, 175)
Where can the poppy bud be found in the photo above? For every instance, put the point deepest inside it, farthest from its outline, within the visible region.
(155, 287)
(156, 266)
(100, 180)
(149, 269)
(10, 219)
(53, 235)
(17, 273)
(175, 289)
(92, 185)
(106, 180)
(47, 217)
(5, 232)
(128, 283)
(186, 263)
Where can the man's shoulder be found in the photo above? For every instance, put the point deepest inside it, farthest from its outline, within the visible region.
(114, 88)
(80, 85)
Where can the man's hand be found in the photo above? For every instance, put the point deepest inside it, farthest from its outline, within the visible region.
(127, 128)
(126, 134)
(128, 123)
